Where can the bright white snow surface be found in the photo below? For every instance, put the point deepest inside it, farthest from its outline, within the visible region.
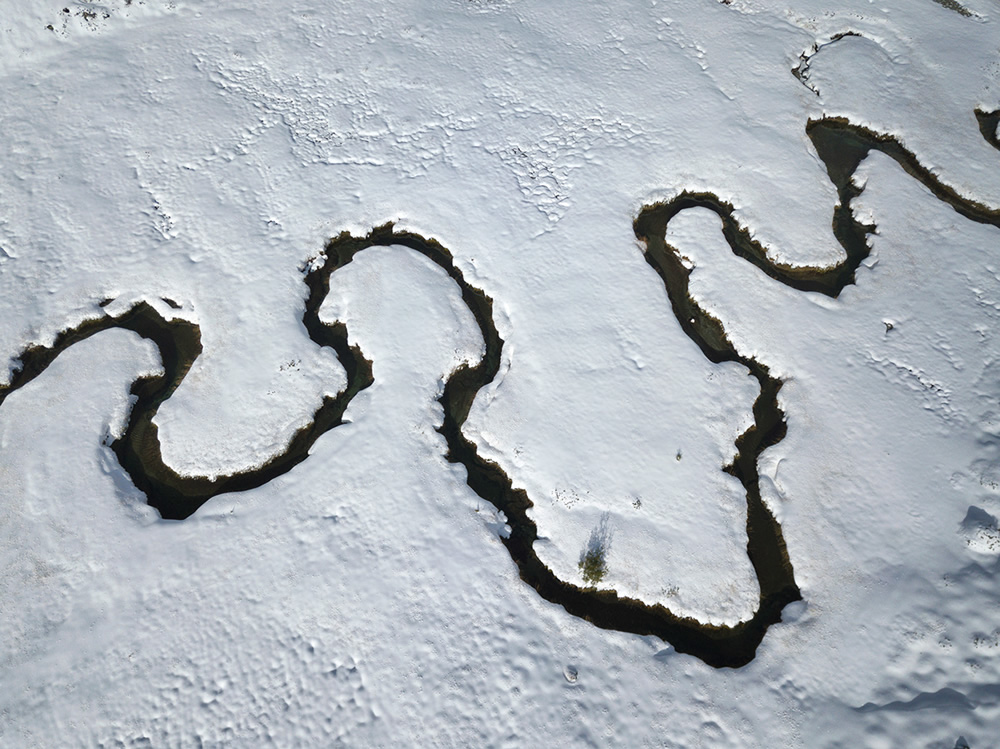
(205, 151)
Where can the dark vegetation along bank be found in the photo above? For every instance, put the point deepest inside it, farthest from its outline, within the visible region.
(841, 146)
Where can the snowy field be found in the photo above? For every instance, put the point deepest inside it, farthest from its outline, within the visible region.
(829, 175)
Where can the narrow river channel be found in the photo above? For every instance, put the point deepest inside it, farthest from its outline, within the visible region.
(841, 145)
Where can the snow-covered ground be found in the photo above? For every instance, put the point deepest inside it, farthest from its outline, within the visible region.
(205, 152)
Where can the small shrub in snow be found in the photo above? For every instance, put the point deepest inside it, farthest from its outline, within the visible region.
(593, 559)
(593, 566)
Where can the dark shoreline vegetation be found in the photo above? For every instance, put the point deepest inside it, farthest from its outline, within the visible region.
(841, 145)
(988, 123)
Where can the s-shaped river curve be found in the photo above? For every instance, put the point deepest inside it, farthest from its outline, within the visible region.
(842, 147)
